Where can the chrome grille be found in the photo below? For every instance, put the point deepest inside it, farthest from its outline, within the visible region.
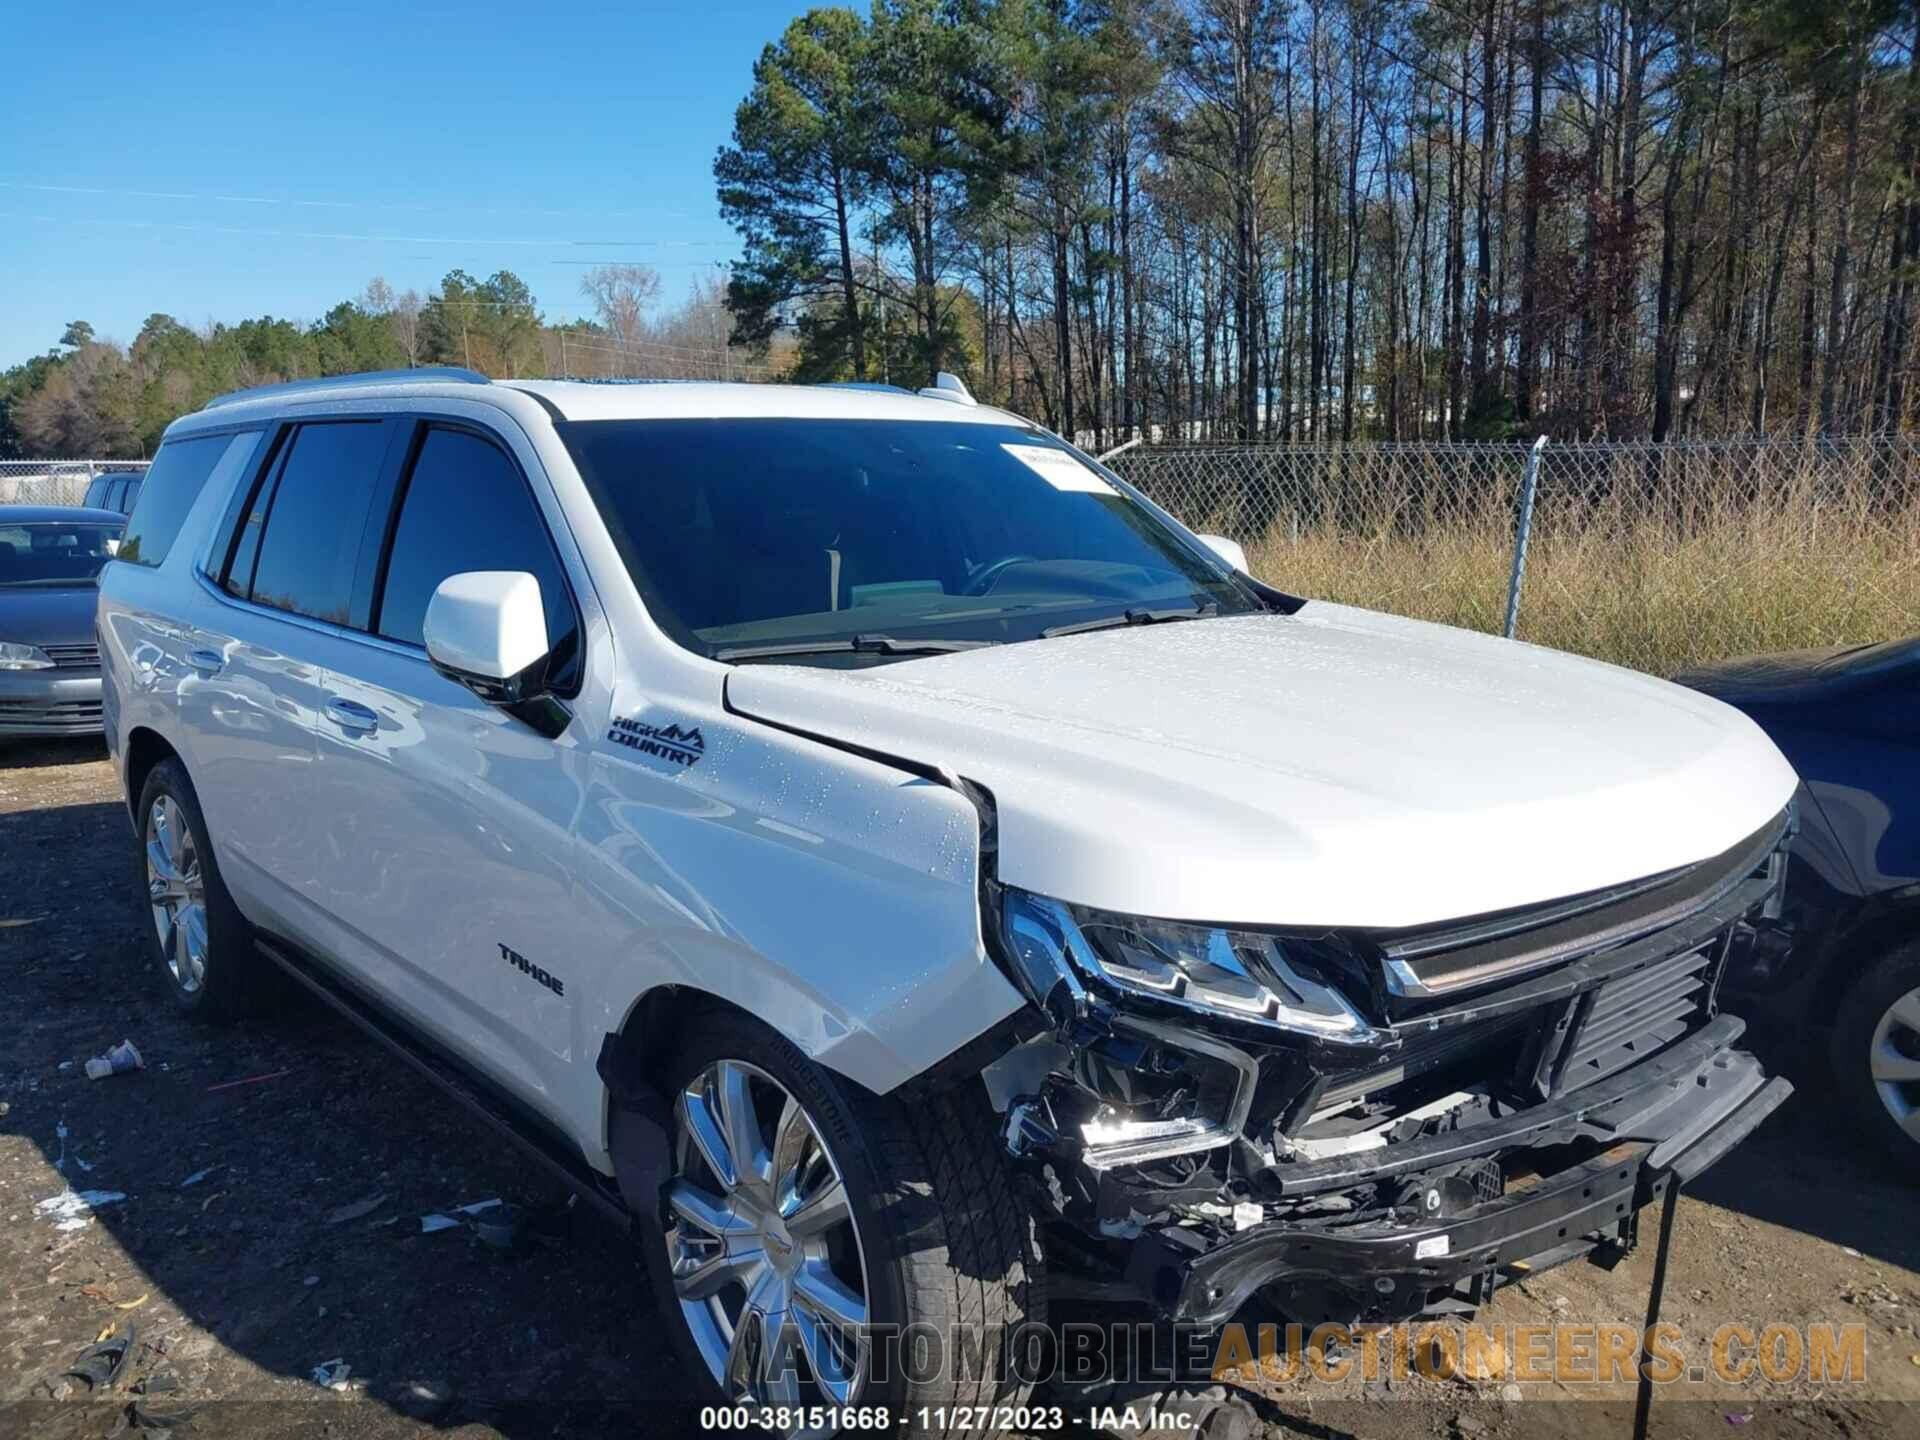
(73, 657)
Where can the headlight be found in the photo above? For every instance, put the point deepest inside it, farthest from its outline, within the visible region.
(23, 657)
(1244, 974)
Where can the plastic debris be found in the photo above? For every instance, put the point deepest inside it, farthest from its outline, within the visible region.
(359, 1210)
(121, 1059)
(143, 1413)
(73, 1209)
(422, 1400)
(1739, 1417)
(501, 1226)
(332, 1374)
(433, 1224)
(197, 1177)
(99, 1367)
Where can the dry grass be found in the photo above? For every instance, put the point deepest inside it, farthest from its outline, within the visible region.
(1657, 570)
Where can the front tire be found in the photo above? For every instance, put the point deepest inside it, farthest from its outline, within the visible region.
(809, 1223)
(201, 942)
(1876, 1056)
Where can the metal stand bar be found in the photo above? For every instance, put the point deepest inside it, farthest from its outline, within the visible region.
(1529, 483)
(1643, 1401)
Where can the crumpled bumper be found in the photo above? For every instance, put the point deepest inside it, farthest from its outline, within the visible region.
(1664, 1120)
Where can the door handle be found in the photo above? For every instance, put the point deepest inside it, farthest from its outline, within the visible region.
(208, 662)
(352, 716)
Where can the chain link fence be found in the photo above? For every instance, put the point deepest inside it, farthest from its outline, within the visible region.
(57, 482)
(1652, 556)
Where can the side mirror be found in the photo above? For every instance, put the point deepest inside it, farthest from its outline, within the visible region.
(487, 630)
(1228, 550)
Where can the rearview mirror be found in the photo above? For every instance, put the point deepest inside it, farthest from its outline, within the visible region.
(1228, 550)
(487, 630)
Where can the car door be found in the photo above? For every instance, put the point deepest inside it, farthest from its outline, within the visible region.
(445, 826)
(284, 576)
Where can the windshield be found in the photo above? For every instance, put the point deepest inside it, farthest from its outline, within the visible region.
(775, 533)
(54, 553)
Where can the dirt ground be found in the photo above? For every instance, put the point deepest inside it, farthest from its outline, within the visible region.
(274, 1177)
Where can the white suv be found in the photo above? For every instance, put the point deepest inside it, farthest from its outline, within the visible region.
(871, 849)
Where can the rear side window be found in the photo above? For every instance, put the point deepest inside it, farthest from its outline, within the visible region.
(178, 474)
(96, 496)
(466, 506)
(311, 527)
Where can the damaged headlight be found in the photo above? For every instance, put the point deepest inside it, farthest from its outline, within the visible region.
(1244, 974)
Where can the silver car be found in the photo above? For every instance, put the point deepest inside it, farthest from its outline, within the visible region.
(50, 563)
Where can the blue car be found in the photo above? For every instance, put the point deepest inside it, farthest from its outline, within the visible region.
(1847, 974)
(50, 563)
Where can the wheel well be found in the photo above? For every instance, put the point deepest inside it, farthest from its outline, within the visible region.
(636, 1114)
(1858, 945)
(145, 749)
(632, 1056)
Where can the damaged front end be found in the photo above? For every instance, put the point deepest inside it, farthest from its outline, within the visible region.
(1376, 1126)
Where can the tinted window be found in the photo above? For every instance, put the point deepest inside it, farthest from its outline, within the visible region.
(117, 496)
(53, 555)
(310, 546)
(178, 474)
(96, 496)
(466, 507)
(795, 530)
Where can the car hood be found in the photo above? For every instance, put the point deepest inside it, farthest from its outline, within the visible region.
(1792, 677)
(49, 617)
(1332, 767)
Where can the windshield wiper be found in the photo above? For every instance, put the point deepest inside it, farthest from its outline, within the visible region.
(1139, 615)
(864, 644)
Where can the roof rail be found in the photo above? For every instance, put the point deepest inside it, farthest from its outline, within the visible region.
(864, 385)
(424, 375)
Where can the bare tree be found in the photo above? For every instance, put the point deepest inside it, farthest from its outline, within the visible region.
(404, 316)
(621, 296)
(377, 298)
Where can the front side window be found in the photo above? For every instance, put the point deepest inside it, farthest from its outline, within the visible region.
(466, 507)
(750, 534)
(54, 556)
(178, 474)
(310, 530)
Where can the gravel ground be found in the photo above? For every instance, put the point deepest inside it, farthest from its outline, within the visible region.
(272, 1226)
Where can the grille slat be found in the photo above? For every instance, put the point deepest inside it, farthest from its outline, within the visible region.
(1636, 1015)
(73, 657)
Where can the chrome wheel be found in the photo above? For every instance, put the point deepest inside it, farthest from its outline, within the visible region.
(764, 1255)
(177, 890)
(1894, 1061)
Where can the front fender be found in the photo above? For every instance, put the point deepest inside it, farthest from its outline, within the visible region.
(831, 895)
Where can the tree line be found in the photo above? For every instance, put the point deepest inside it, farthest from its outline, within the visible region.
(89, 396)
(1300, 220)
(1345, 219)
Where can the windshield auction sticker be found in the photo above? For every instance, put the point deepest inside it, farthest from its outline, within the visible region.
(1059, 469)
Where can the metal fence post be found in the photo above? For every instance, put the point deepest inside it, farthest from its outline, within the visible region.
(1522, 532)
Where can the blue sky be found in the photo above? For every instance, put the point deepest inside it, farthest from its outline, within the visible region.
(225, 161)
